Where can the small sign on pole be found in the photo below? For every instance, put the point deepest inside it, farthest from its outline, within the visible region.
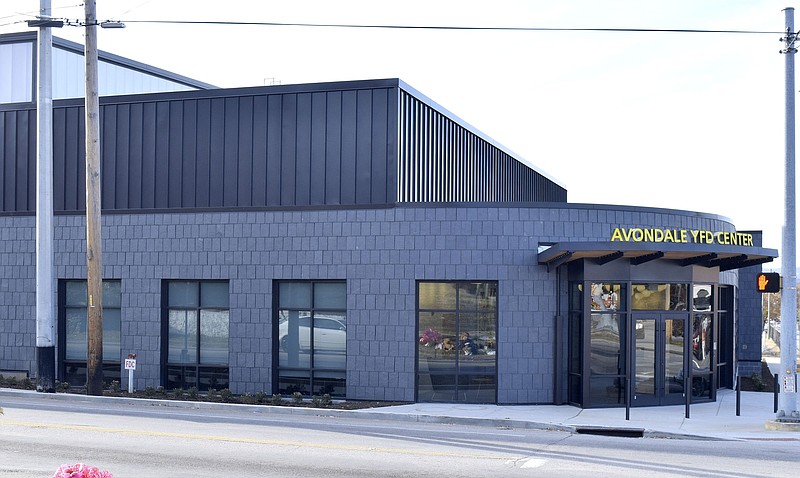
(788, 383)
(130, 366)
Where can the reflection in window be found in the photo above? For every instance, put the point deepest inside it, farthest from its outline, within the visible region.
(575, 358)
(702, 341)
(606, 297)
(659, 297)
(576, 296)
(74, 331)
(196, 323)
(311, 338)
(606, 345)
(457, 325)
(701, 297)
(606, 348)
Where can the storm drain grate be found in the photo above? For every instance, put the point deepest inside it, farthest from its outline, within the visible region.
(611, 432)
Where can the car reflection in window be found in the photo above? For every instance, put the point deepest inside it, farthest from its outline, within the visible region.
(329, 334)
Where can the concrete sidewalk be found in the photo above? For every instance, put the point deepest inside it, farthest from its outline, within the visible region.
(715, 420)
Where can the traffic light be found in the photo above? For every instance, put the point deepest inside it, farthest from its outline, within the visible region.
(768, 282)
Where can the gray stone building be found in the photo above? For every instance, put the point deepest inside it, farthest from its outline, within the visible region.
(356, 239)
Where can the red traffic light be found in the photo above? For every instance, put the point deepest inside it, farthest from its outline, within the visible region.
(768, 282)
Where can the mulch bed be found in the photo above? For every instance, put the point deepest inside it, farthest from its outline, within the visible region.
(759, 383)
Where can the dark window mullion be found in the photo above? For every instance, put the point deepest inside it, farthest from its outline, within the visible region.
(199, 301)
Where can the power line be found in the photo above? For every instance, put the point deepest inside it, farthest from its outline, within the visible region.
(452, 27)
(432, 27)
(440, 27)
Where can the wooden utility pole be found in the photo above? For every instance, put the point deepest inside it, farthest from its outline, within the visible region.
(94, 274)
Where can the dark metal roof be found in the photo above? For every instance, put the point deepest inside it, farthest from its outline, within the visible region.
(707, 255)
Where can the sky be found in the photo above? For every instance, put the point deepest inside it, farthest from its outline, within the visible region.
(689, 121)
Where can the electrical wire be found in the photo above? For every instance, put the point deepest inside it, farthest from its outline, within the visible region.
(434, 27)
(453, 27)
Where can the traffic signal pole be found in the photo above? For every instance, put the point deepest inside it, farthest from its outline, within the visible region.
(787, 402)
(45, 256)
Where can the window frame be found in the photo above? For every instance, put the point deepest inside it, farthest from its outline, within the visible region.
(315, 373)
(112, 369)
(467, 382)
(196, 368)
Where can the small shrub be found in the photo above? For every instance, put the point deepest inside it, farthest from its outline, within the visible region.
(62, 387)
(192, 392)
(758, 384)
(276, 400)
(321, 401)
(297, 397)
(226, 395)
(247, 399)
(149, 391)
(260, 397)
(114, 386)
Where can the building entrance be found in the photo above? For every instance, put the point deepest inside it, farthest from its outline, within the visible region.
(659, 359)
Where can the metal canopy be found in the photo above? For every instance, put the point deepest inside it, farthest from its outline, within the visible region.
(707, 255)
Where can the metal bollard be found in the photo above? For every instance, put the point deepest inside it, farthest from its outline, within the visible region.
(738, 395)
(775, 391)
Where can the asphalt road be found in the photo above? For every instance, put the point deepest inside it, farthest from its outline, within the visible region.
(144, 441)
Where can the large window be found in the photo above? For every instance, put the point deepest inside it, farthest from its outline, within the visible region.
(73, 330)
(702, 341)
(659, 297)
(606, 327)
(457, 330)
(195, 334)
(311, 338)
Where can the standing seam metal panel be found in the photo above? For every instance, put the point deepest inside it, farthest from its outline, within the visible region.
(370, 145)
(441, 161)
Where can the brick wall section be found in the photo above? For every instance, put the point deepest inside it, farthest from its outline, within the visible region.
(380, 252)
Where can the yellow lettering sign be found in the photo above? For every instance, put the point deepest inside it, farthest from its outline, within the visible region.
(685, 236)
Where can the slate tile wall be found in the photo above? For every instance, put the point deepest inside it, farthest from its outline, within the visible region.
(750, 320)
(382, 253)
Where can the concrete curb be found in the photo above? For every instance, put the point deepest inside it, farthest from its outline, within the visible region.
(790, 426)
(365, 414)
(370, 414)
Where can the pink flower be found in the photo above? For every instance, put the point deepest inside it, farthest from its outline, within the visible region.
(79, 470)
(429, 337)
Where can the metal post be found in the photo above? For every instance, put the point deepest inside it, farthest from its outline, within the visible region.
(775, 390)
(94, 274)
(45, 277)
(788, 397)
(738, 395)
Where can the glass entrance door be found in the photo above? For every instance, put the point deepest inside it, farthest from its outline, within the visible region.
(659, 359)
